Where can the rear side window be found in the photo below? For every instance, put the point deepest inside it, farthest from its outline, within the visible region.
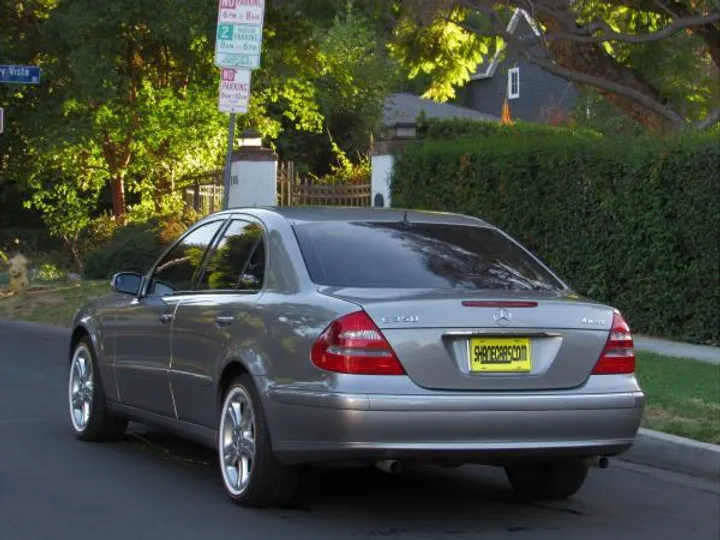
(418, 255)
(227, 266)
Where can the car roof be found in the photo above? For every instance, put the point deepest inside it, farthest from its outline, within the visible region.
(303, 214)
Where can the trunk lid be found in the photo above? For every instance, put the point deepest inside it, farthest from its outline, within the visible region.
(553, 345)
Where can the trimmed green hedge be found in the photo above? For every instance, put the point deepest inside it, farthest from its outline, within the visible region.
(634, 222)
(462, 128)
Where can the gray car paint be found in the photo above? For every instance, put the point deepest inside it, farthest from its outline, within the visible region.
(170, 374)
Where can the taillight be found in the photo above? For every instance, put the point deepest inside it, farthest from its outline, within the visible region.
(618, 356)
(354, 344)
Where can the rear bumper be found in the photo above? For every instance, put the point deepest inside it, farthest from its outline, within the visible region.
(311, 427)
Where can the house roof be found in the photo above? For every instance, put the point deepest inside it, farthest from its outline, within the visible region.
(487, 69)
(405, 108)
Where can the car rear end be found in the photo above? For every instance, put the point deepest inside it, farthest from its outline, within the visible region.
(457, 346)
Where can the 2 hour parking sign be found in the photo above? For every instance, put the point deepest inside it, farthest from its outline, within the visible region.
(238, 43)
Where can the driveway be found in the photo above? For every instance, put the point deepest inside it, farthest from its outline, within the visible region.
(155, 486)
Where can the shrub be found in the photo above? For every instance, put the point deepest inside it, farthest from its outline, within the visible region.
(462, 128)
(132, 248)
(14, 239)
(631, 222)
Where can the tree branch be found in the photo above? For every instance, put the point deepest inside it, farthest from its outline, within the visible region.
(712, 118)
(664, 8)
(646, 101)
(584, 34)
(609, 35)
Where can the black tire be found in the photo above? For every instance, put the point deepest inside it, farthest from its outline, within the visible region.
(270, 484)
(102, 424)
(547, 481)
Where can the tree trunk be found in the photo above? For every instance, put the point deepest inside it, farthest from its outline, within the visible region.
(164, 188)
(117, 185)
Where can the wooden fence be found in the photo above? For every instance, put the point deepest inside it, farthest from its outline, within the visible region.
(294, 190)
(204, 192)
(329, 195)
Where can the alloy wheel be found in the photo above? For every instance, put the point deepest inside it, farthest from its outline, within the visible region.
(237, 441)
(81, 388)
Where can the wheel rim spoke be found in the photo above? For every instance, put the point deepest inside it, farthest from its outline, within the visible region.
(235, 414)
(244, 468)
(77, 400)
(248, 446)
(78, 372)
(247, 419)
(229, 455)
(82, 368)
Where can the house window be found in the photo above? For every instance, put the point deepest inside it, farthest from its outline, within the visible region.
(514, 83)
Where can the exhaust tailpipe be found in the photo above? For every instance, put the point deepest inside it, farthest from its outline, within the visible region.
(599, 462)
(390, 466)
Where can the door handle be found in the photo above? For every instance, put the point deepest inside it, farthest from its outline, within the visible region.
(224, 320)
(165, 318)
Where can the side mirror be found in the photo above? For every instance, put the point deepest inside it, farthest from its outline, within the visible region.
(126, 283)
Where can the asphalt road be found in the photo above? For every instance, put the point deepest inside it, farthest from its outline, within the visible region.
(154, 486)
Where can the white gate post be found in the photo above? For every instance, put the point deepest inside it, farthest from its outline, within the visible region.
(253, 174)
(383, 153)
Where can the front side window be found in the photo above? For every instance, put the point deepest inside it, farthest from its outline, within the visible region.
(176, 270)
(235, 256)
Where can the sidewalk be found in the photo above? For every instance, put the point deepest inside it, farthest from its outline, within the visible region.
(703, 353)
(667, 451)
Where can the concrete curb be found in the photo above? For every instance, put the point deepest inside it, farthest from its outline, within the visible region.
(674, 453)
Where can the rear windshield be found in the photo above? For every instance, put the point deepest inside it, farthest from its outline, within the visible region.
(418, 255)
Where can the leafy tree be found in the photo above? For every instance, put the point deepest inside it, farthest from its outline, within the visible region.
(352, 74)
(65, 213)
(134, 83)
(656, 60)
(20, 20)
(129, 95)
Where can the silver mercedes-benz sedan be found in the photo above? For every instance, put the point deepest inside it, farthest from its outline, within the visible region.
(319, 336)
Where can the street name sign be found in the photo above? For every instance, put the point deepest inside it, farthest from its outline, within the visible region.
(20, 74)
(234, 90)
(238, 43)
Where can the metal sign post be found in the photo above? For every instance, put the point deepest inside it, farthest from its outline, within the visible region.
(228, 161)
(238, 45)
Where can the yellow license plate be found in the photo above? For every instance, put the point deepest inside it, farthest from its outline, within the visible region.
(500, 354)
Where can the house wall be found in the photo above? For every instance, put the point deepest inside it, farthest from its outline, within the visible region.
(540, 93)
